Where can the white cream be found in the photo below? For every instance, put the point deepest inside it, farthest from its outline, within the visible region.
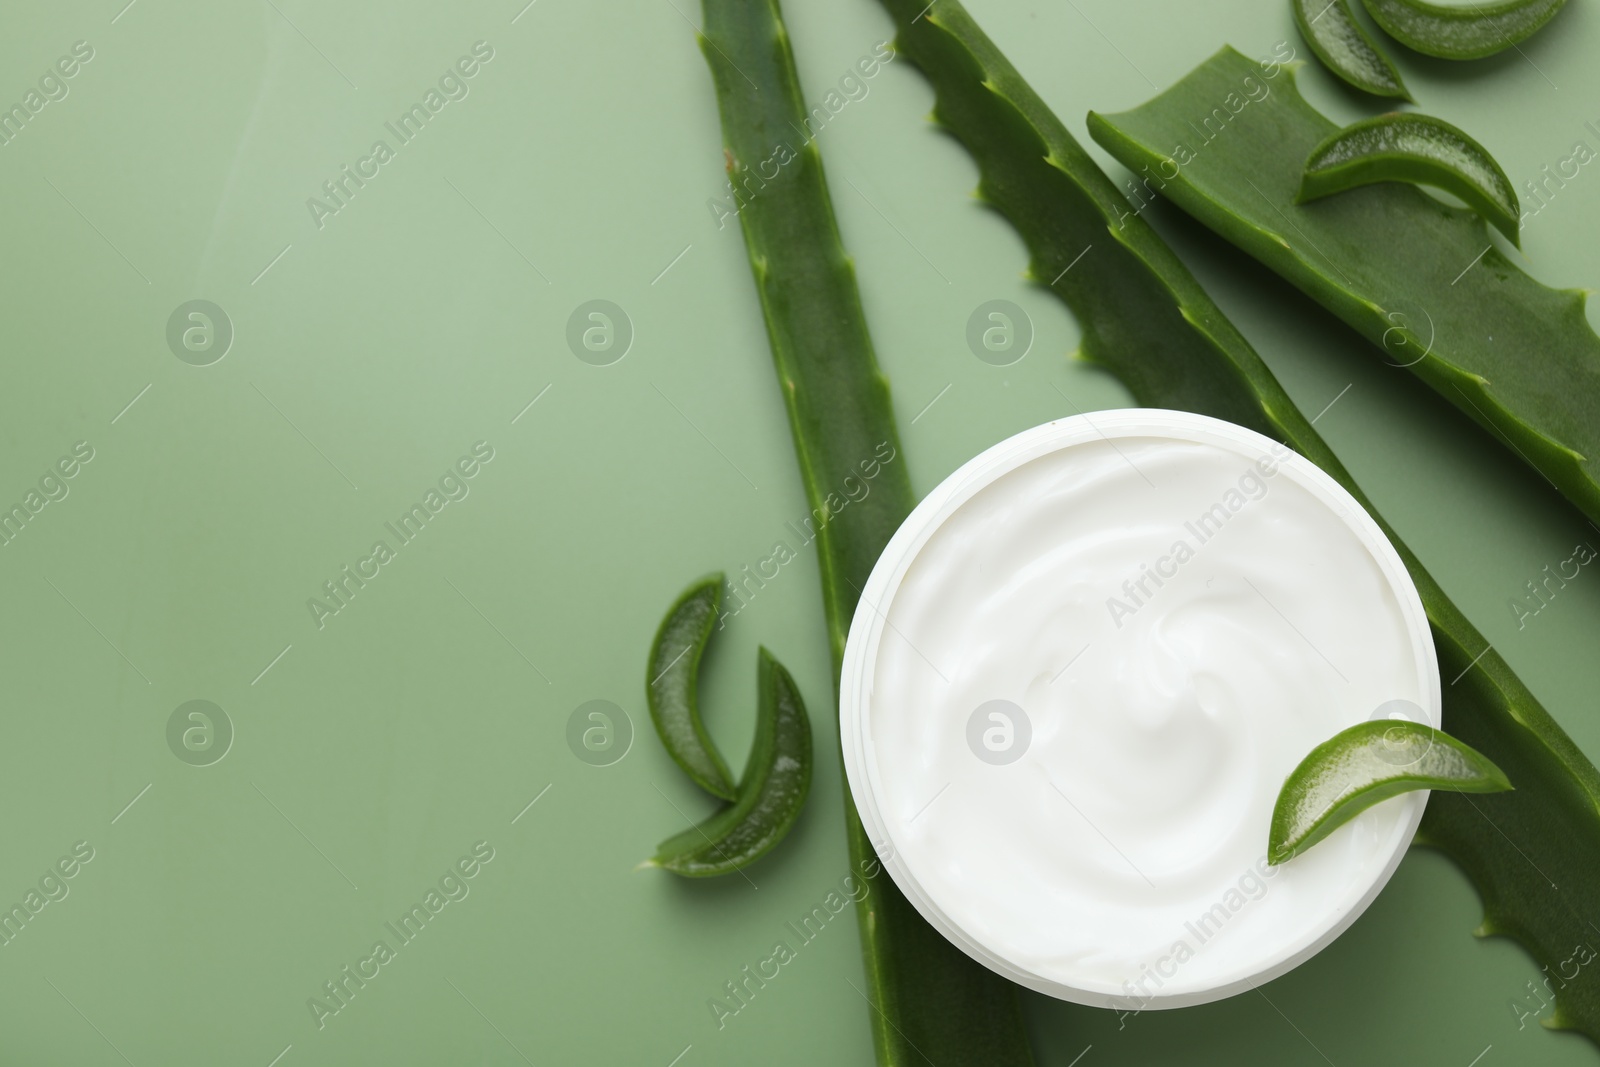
(1181, 609)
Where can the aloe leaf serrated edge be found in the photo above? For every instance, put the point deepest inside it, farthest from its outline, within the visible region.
(1417, 277)
(1534, 854)
(925, 995)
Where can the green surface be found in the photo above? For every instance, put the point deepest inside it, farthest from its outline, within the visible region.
(380, 748)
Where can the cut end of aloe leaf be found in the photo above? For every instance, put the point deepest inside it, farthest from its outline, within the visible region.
(1361, 767)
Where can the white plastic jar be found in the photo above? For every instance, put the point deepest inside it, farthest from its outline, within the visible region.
(1077, 679)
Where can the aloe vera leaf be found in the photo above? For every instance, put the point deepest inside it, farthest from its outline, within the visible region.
(1365, 765)
(1346, 48)
(672, 675)
(772, 790)
(1417, 277)
(1533, 855)
(1418, 149)
(924, 992)
(1464, 31)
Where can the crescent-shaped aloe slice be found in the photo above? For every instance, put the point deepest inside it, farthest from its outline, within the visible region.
(1418, 149)
(1422, 280)
(1365, 765)
(1462, 31)
(1346, 48)
(772, 790)
(1534, 854)
(672, 686)
(926, 995)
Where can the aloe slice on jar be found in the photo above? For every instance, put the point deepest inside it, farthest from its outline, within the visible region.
(1346, 48)
(1462, 31)
(771, 791)
(1417, 149)
(1365, 765)
(1531, 853)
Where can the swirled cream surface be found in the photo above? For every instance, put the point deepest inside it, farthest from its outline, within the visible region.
(1078, 679)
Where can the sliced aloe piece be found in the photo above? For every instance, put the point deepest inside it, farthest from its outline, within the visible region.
(1363, 766)
(672, 686)
(1464, 31)
(772, 791)
(1418, 149)
(1346, 48)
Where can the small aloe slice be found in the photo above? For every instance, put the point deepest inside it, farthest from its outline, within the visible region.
(1413, 148)
(1364, 765)
(1465, 31)
(771, 792)
(673, 681)
(1346, 48)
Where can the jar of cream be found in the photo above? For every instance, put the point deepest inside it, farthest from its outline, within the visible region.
(1077, 679)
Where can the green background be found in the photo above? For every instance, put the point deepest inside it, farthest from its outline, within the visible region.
(425, 715)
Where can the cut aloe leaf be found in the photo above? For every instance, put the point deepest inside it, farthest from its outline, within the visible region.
(1421, 279)
(1418, 149)
(1363, 766)
(1462, 31)
(1346, 48)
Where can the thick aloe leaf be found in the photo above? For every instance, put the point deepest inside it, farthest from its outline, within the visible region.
(1419, 278)
(1534, 854)
(1462, 31)
(926, 995)
(1346, 48)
